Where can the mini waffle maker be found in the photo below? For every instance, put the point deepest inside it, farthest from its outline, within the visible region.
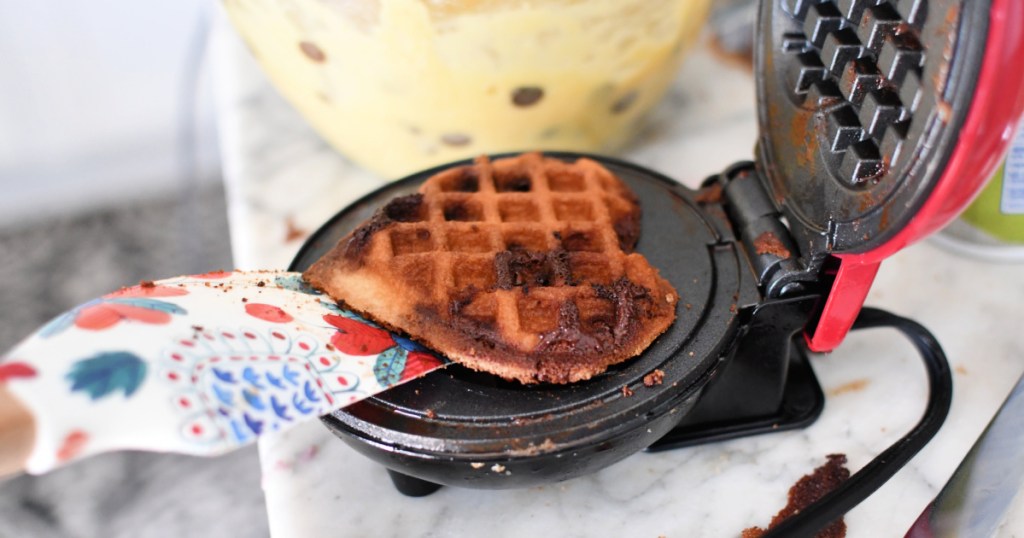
(879, 120)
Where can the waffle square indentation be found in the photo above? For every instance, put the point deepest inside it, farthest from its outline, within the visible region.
(512, 180)
(511, 210)
(582, 240)
(416, 271)
(590, 268)
(483, 308)
(411, 241)
(471, 239)
(596, 314)
(535, 240)
(406, 209)
(478, 273)
(462, 179)
(462, 210)
(573, 209)
(537, 313)
(565, 181)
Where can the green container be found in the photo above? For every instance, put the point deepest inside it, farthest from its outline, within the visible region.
(999, 210)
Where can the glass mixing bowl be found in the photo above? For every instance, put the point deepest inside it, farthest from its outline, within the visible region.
(401, 85)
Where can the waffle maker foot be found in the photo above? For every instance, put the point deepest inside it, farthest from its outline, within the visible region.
(410, 486)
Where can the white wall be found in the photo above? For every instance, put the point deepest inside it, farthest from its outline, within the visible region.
(92, 100)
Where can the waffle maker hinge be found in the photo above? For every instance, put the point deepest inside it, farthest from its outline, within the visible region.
(781, 268)
(763, 382)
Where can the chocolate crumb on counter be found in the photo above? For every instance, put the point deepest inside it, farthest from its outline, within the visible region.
(147, 284)
(808, 490)
(292, 231)
(654, 378)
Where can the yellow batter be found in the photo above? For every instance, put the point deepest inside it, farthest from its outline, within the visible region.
(400, 85)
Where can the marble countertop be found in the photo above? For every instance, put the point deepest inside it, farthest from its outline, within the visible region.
(282, 181)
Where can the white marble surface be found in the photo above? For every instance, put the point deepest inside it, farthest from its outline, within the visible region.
(283, 181)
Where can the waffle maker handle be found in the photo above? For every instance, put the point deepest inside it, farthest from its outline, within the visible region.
(994, 113)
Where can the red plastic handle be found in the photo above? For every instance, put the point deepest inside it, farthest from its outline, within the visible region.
(987, 131)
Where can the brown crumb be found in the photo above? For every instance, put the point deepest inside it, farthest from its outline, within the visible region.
(245, 300)
(147, 284)
(261, 284)
(331, 348)
(808, 490)
(654, 378)
(856, 385)
(292, 231)
(712, 194)
(945, 111)
(742, 58)
(769, 243)
(626, 391)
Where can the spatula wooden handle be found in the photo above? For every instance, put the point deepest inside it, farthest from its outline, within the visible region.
(17, 433)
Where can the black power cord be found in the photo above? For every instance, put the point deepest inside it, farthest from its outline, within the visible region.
(878, 471)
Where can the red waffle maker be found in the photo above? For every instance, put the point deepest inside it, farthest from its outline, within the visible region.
(879, 120)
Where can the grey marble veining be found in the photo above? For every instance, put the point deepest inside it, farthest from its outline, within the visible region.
(50, 266)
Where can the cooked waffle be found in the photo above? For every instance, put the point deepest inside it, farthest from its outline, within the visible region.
(522, 267)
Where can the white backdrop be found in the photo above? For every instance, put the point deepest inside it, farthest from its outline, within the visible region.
(100, 102)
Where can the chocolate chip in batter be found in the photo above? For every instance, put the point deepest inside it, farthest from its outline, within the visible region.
(456, 139)
(525, 96)
(624, 102)
(312, 51)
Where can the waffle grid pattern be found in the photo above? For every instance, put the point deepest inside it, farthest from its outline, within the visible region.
(861, 62)
(472, 212)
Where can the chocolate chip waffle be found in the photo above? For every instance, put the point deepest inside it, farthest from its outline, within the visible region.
(522, 267)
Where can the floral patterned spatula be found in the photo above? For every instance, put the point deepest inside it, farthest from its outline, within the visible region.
(199, 365)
